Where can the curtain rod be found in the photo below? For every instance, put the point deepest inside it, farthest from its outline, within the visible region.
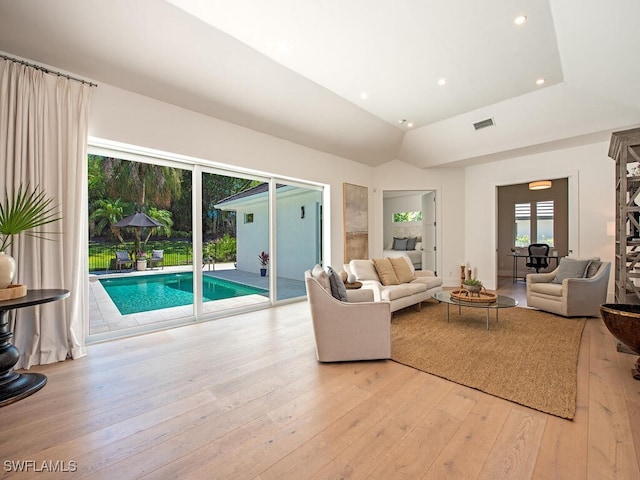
(46, 70)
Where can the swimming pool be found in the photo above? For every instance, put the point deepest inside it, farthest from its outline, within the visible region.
(144, 293)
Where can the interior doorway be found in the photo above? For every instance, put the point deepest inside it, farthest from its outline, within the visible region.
(411, 215)
(526, 216)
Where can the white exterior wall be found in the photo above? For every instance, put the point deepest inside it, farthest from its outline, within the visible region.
(296, 237)
(252, 238)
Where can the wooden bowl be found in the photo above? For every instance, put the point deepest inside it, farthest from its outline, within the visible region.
(623, 321)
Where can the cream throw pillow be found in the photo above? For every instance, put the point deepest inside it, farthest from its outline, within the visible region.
(402, 269)
(319, 274)
(385, 271)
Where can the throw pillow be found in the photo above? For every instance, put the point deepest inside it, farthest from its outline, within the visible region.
(411, 243)
(364, 270)
(571, 268)
(593, 268)
(338, 290)
(385, 270)
(319, 274)
(402, 269)
(399, 243)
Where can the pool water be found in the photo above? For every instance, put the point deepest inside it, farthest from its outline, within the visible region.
(153, 292)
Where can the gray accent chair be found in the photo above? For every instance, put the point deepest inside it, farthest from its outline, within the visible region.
(359, 329)
(123, 259)
(573, 297)
(157, 258)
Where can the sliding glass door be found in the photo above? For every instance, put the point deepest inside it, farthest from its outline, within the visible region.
(140, 248)
(235, 237)
(255, 237)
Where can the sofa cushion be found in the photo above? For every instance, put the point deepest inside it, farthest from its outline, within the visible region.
(571, 268)
(363, 270)
(400, 243)
(393, 292)
(402, 269)
(385, 271)
(338, 290)
(321, 276)
(430, 282)
(547, 288)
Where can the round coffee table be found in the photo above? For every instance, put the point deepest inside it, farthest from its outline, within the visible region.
(502, 301)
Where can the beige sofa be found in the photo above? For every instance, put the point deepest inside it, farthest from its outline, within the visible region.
(411, 289)
(570, 297)
(346, 331)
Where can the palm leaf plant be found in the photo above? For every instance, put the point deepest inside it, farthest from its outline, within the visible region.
(23, 211)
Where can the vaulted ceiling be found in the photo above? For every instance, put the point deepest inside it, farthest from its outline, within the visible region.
(369, 80)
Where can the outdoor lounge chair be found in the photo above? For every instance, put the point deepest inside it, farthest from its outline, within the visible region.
(157, 257)
(123, 258)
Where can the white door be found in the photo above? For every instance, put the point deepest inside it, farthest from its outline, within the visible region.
(429, 231)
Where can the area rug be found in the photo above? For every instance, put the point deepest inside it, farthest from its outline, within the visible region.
(528, 357)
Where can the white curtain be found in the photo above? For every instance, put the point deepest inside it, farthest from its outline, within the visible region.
(43, 142)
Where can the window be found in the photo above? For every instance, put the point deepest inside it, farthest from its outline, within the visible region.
(523, 224)
(248, 218)
(407, 217)
(544, 222)
(534, 223)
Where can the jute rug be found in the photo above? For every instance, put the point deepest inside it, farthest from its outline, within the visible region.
(528, 357)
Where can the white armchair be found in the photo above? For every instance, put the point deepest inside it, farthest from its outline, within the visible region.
(346, 331)
(573, 297)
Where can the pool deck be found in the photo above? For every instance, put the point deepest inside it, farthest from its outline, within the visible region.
(105, 317)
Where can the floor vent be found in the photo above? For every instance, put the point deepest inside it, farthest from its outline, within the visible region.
(484, 124)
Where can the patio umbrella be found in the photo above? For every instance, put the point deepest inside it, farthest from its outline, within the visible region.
(138, 221)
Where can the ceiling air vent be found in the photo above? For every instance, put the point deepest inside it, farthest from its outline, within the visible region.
(484, 124)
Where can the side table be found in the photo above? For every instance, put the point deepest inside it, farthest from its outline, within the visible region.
(16, 386)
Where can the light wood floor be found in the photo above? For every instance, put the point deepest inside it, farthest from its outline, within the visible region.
(244, 397)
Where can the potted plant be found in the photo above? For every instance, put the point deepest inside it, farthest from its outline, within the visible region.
(24, 210)
(141, 261)
(264, 261)
(473, 285)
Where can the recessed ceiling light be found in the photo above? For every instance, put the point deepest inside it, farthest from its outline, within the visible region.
(410, 124)
(520, 20)
(364, 95)
(401, 121)
(442, 81)
(540, 81)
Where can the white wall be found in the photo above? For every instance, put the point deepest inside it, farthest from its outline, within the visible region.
(466, 198)
(448, 183)
(591, 176)
(122, 116)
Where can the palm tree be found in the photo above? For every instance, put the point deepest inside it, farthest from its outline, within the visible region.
(161, 216)
(142, 183)
(107, 213)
